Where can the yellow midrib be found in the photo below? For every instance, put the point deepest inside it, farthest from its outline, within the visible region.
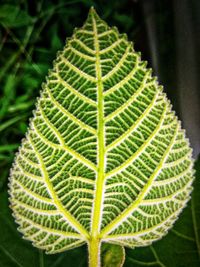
(96, 216)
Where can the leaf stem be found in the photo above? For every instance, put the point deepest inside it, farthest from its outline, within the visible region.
(94, 247)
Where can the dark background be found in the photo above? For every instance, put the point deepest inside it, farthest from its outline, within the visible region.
(168, 35)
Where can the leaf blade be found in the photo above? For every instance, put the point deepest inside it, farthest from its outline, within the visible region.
(99, 149)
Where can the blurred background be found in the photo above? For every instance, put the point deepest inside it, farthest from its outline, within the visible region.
(167, 32)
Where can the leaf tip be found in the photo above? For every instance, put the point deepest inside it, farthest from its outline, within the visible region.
(93, 13)
(92, 10)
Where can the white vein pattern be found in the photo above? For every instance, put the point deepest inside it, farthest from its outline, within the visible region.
(104, 146)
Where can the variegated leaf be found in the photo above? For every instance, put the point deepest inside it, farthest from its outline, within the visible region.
(105, 158)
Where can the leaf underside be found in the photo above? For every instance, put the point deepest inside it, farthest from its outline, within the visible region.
(104, 154)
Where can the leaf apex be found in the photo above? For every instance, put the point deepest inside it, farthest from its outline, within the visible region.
(92, 10)
(93, 13)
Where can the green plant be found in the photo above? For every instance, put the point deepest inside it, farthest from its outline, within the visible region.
(105, 158)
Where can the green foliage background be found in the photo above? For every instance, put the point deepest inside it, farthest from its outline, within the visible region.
(31, 32)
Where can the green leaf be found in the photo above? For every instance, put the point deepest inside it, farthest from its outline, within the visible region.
(8, 95)
(12, 16)
(181, 247)
(105, 158)
(112, 255)
(17, 252)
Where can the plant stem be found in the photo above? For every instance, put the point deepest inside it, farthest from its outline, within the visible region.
(94, 248)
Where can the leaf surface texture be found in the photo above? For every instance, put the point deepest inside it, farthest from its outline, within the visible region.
(104, 154)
